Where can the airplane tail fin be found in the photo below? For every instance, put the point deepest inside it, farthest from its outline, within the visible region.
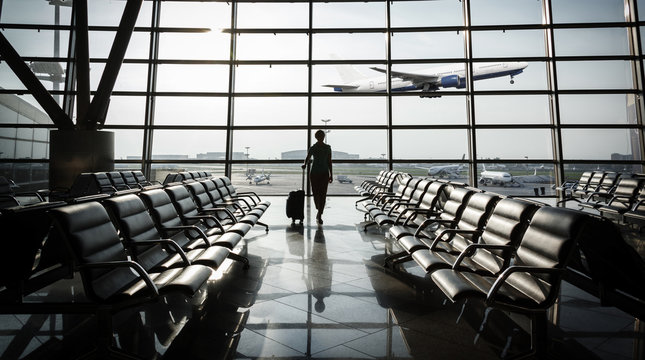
(347, 72)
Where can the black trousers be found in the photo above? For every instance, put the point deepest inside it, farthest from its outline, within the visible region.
(319, 184)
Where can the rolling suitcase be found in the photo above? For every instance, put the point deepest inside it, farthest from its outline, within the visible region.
(296, 202)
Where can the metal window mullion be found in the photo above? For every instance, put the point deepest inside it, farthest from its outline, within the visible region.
(148, 122)
(470, 97)
(231, 89)
(556, 134)
(309, 88)
(637, 73)
(388, 69)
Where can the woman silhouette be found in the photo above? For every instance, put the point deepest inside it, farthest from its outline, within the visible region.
(321, 174)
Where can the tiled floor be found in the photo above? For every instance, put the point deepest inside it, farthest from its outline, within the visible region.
(320, 293)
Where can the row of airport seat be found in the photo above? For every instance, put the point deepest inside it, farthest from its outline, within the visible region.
(185, 176)
(619, 197)
(88, 184)
(9, 197)
(510, 252)
(128, 247)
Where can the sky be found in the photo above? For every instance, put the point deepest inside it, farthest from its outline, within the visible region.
(422, 144)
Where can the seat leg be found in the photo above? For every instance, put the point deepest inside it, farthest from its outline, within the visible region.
(539, 338)
(263, 224)
(392, 257)
(402, 259)
(240, 258)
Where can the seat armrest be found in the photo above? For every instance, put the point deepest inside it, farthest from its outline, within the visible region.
(129, 264)
(451, 231)
(203, 218)
(239, 198)
(501, 279)
(470, 250)
(171, 244)
(428, 222)
(201, 232)
(228, 212)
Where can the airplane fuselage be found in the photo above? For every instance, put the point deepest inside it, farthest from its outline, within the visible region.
(446, 76)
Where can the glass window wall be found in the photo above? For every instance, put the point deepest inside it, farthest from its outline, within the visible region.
(273, 76)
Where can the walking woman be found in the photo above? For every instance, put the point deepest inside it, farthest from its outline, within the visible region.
(321, 174)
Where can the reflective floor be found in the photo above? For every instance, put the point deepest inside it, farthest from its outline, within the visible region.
(320, 292)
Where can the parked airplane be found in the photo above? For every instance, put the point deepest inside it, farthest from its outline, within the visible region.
(500, 178)
(430, 79)
(449, 171)
(259, 178)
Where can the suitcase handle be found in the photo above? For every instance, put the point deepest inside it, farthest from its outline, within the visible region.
(303, 179)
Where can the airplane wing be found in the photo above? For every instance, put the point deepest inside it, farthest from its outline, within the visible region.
(415, 78)
(342, 86)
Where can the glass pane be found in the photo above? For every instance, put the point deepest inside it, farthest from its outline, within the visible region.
(272, 47)
(21, 109)
(349, 15)
(349, 110)
(429, 144)
(598, 109)
(510, 76)
(356, 144)
(211, 15)
(271, 78)
(38, 42)
(8, 79)
(100, 44)
(594, 75)
(601, 144)
(427, 45)
(50, 74)
(512, 109)
(269, 144)
(518, 179)
(126, 110)
(503, 43)
(413, 110)
(184, 110)
(188, 144)
(431, 77)
(456, 171)
(128, 144)
(109, 12)
(35, 12)
(514, 144)
(28, 176)
(194, 46)
(347, 78)
(606, 41)
(272, 15)
(192, 78)
(426, 13)
(270, 111)
(356, 46)
(132, 77)
(573, 11)
(505, 12)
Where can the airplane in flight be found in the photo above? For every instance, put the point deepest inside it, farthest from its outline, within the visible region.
(427, 80)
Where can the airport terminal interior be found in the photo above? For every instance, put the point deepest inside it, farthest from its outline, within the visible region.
(487, 198)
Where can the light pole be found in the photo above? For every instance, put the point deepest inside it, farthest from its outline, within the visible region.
(247, 160)
(326, 131)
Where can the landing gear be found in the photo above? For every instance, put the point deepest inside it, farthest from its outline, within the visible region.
(512, 81)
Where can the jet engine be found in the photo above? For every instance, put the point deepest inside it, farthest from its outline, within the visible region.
(453, 81)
